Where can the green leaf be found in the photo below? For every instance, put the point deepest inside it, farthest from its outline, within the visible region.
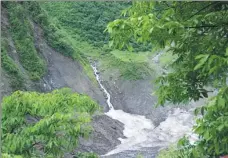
(226, 51)
(220, 127)
(202, 61)
(221, 102)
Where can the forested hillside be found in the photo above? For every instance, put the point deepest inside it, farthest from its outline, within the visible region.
(29, 57)
(87, 21)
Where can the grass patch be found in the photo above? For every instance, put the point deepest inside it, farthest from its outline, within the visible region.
(166, 58)
(86, 51)
(131, 56)
(22, 35)
(171, 151)
(14, 75)
(131, 66)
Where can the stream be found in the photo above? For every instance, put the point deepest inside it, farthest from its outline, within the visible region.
(140, 132)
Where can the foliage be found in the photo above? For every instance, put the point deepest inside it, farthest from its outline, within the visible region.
(59, 33)
(85, 155)
(174, 152)
(23, 38)
(212, 130)
(14, 74)
(87, 19)
(45, 124)
(198, 39)
(53, 34)
(191, 37)
(4, 155)
(213, 127)
(165, 59)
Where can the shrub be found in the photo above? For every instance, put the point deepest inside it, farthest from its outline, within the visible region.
(45, 124)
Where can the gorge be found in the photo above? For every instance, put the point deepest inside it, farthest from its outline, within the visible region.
(114, 79)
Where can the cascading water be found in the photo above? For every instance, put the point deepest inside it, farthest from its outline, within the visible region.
(140, 131)
(102, 87)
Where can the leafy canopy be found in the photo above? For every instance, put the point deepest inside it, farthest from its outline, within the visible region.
(48, 124)
(196, 33)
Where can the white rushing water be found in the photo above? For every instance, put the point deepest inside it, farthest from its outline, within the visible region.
(140, 131)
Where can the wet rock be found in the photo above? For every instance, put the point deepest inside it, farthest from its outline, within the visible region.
(104, 137)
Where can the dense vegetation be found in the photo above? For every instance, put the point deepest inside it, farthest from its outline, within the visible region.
(53, 34)
(198, 37)
(50, 124)
(22, 34)
(11, 69)
(56, 36)
(86, 21)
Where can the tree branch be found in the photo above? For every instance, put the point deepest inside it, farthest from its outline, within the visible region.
(202, 26)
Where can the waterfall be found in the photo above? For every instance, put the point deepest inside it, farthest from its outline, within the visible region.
(102, 87)
(140, 131)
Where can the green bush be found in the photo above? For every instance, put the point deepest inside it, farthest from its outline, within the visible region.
(4, 155)
(173, 151)
(45, 124)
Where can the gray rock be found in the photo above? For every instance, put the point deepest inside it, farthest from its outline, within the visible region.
(104, 137)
